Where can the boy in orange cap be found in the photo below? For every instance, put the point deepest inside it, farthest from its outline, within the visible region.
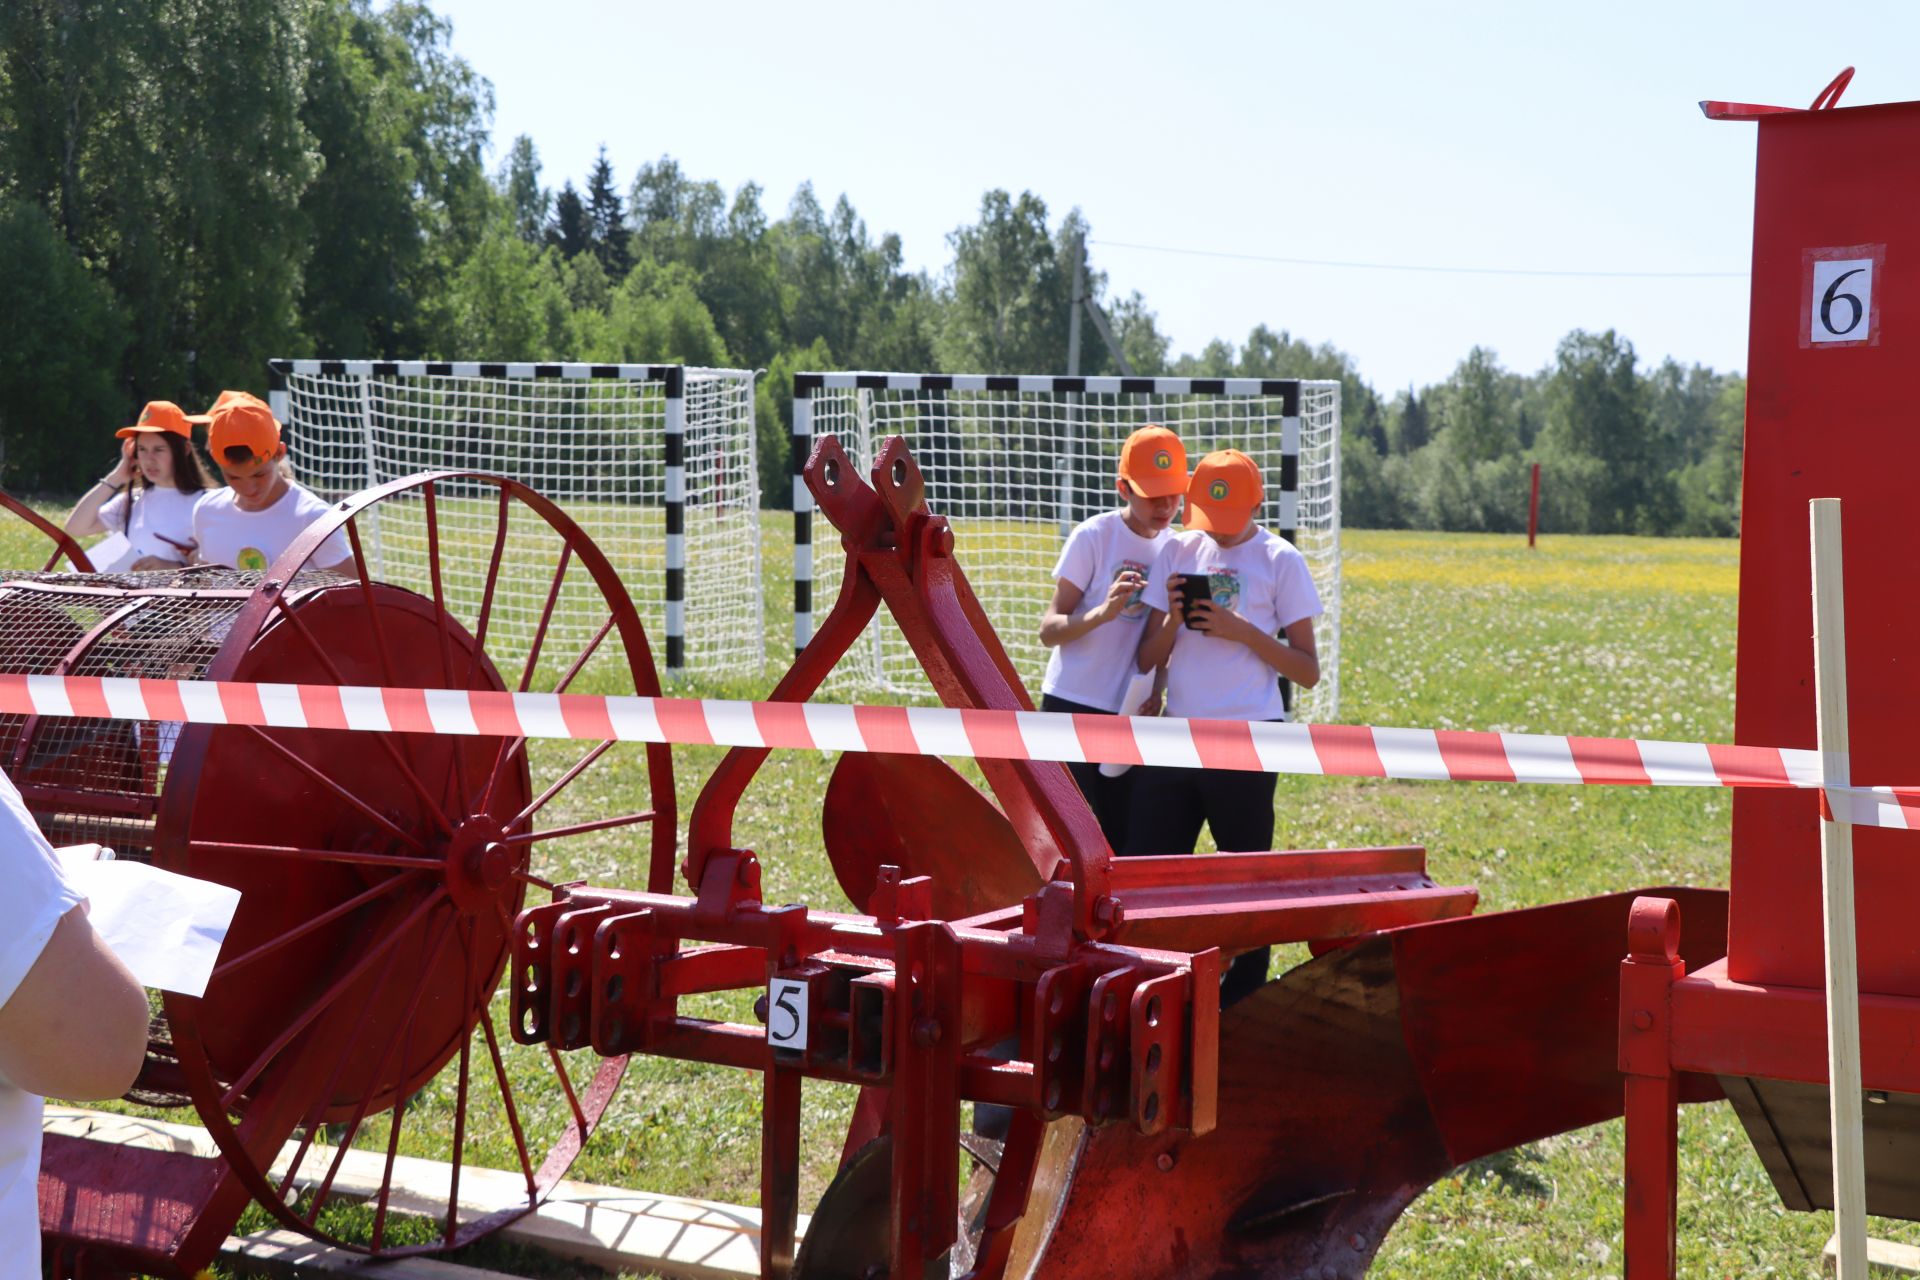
(1224, 658)
(1109, 559)
(261, 511)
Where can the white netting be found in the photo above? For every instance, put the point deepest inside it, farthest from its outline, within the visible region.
(1014, 471)
(596, 445)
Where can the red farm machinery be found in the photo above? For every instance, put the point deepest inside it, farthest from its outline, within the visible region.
(998, 953)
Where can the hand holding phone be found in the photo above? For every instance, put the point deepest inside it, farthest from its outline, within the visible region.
(1196, 596)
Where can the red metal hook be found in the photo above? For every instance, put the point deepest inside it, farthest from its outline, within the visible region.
(1829, 97)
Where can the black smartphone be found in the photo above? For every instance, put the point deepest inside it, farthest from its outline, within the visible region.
(1195, 587)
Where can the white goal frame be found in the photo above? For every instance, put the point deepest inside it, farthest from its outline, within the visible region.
(1015, 461)
(656, 462)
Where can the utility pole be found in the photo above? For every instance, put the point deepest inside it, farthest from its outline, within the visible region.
(1079, 300)
(1064, 513)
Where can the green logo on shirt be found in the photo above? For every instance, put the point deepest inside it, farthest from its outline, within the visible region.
(250, 558)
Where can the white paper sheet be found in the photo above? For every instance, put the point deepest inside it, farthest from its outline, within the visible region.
(1139, 689)
(107, 553)
(166, 928)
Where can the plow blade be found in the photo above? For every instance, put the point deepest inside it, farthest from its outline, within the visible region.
(1354, 1081)
(916, 813)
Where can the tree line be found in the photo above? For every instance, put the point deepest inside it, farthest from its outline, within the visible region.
(191, 188)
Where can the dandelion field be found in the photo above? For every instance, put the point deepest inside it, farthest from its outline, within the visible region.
(1594, 636)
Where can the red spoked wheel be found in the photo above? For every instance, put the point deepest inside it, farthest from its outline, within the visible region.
(348, 1031)
(64, 547)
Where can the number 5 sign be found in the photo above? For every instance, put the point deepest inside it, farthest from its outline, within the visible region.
(787, 1014)
(1839, 297)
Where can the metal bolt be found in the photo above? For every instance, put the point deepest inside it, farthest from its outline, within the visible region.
(1108, 911)
(926, 1032)
(760, 1008)
(1164, 1162)
(495, 865)
(1357, 1242)
(942, 547)
(1642, 1020)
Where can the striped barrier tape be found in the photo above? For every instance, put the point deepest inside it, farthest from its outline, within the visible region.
(1351, 751)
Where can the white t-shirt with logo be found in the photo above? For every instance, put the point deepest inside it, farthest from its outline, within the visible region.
(159, 522)
(1265, 580)
(37, 896)
(254, 539)
(1095, 669)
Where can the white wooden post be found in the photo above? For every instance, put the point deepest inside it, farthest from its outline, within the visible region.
(1836, 885)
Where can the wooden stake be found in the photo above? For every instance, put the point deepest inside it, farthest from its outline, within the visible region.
(1836, 885)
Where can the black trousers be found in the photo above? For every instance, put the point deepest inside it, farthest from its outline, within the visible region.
(1109, 798)
(1168, 807)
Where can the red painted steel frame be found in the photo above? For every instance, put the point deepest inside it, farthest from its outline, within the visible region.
(1673, 1023)
(900, 553)
(1106, 978)
(1110, 1032)
(1824, 419)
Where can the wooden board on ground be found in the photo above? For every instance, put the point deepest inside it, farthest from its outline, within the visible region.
(1884, 1257)
(610, 1227)
(287, 1255)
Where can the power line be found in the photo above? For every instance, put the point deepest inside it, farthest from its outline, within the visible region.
(1432, 270)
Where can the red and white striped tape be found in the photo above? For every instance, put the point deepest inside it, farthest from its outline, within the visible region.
(1351, 751)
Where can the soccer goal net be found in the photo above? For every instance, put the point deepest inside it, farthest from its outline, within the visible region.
(655, 462)
(1015, 462)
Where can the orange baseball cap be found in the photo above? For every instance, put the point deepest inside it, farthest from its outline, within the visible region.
(1153, 462)
(241, 421)
(1225, 493)
(159, 415)
(220, 401)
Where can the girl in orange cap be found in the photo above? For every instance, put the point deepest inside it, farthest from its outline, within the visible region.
(1227, 591)
(149, 496)
(1105, 564)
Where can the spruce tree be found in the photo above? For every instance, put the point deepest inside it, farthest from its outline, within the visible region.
(1414, 429)
(607, 219)
(569, 230)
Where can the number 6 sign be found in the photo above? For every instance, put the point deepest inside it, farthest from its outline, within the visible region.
(1840, 303)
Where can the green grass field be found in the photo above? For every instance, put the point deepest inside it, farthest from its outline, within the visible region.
(1600, 636)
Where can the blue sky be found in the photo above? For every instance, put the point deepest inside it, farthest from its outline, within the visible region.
(1527, 137)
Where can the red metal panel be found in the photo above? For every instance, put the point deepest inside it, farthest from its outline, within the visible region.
(1780, 1033)
(1829, 420)
(133, 1205)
